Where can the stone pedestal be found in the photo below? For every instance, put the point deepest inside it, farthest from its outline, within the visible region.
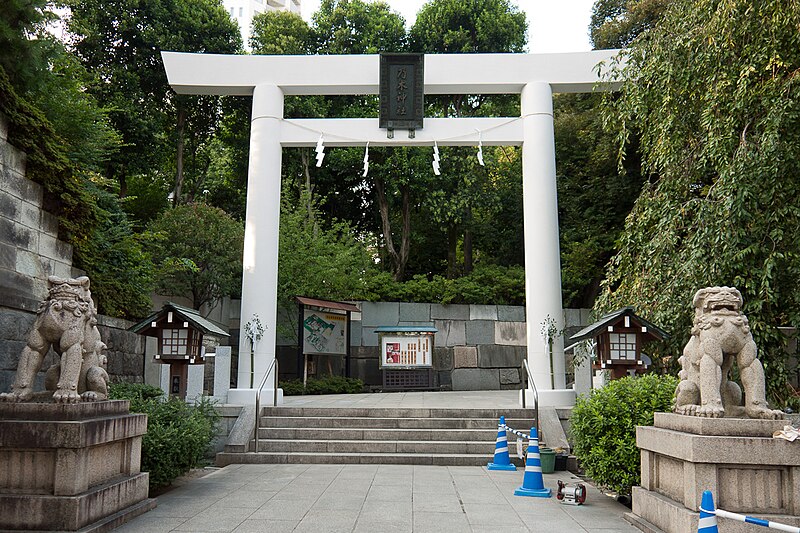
(747, 470)
(71, 467)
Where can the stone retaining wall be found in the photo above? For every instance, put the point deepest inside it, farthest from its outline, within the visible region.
(477, 347)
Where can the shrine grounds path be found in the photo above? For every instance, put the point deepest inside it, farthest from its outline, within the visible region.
(377, 498)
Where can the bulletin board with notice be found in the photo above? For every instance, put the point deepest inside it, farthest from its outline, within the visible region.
(406, 357)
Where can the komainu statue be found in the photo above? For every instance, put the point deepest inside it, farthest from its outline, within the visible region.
(720, 336)
(67, 321)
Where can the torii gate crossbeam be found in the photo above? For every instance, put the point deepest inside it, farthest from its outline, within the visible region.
(269, 78)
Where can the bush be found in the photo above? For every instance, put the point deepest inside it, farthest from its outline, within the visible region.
(487, 284)
(603, 427)
(325, 385)
(178, 434)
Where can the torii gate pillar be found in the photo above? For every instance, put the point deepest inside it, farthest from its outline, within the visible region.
(542, 256)
(262, 227)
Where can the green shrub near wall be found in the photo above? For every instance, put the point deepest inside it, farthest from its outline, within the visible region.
(178, 435)
(324, 385)
(603, 427)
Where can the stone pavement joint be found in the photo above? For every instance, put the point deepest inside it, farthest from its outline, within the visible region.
(368, 498)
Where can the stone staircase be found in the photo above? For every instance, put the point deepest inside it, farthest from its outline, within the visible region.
(464, 437)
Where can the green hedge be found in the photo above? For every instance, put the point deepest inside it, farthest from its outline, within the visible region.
(486, 284)
(603, 427)
(178, 434)
(324, 385)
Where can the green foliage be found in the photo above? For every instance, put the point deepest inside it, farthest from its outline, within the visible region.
(90, 218)
(119, 42)
(469, 26)
(357, 27)
(616, 23)
(197, 250)
(603, 427)
(121, 273)
(593, 197)
(136, 393)
(178, 434)
(713, 90)
(280, 32)
(323, 385)
(487, 284)
(23, 58)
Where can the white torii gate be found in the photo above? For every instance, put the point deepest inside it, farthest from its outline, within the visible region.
(535, 77)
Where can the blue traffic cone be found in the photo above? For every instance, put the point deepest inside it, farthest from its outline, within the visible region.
(533, 483)
(501, 459)
(708, 521)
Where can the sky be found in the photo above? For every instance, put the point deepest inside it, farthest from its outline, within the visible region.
(553, 25)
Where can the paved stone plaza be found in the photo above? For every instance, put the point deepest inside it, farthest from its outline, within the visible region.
(372, 498)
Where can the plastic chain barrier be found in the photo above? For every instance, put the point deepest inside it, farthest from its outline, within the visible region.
(752, 520)
(515, 432)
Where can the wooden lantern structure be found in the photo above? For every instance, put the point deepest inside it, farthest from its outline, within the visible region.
(180, 331)
(619, 338)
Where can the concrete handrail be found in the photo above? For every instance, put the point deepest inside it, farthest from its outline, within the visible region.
(258, 396)
(532, 387)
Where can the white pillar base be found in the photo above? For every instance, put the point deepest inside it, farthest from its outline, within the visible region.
(550, 398)
(248, 397)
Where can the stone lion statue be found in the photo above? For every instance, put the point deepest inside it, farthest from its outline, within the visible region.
(67, 321)
(720, 336)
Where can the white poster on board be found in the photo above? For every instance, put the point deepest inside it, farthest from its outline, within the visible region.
(406, 351)
(324, 332)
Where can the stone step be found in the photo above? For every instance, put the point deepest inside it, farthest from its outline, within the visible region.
(485, 435)
(377, 446)
(390, 422)
(438, 459)
(385, 412)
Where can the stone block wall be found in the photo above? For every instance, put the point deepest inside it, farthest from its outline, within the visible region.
(29, 246)
(477, 347)
(29, 252)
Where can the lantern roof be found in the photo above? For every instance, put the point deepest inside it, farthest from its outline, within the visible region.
(612, 318)
(182, 314)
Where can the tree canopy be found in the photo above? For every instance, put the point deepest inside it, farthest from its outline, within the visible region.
(713, 90)
(197, 250)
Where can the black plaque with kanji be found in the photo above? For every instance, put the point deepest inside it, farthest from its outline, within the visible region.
(402, 92)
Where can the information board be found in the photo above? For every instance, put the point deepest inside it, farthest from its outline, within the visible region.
(324, 332)
(406, 351)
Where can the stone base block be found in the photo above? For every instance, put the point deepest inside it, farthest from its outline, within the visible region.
(248, 396)
(747, 471)
(70, 467)
(654, 513)
(550, 398)
(26, 512)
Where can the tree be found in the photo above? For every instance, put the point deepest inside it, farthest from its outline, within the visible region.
(456, 26)
(23, 58)
(593, 197)
(120, 43)
(321, 261)
(616, 23)
(713, 89)
(197, 250)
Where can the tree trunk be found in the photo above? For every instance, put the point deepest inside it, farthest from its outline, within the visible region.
(405, 237)
(179, 157)
(386, 224)
(304, 161)
(468, 266)
(452, 246)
